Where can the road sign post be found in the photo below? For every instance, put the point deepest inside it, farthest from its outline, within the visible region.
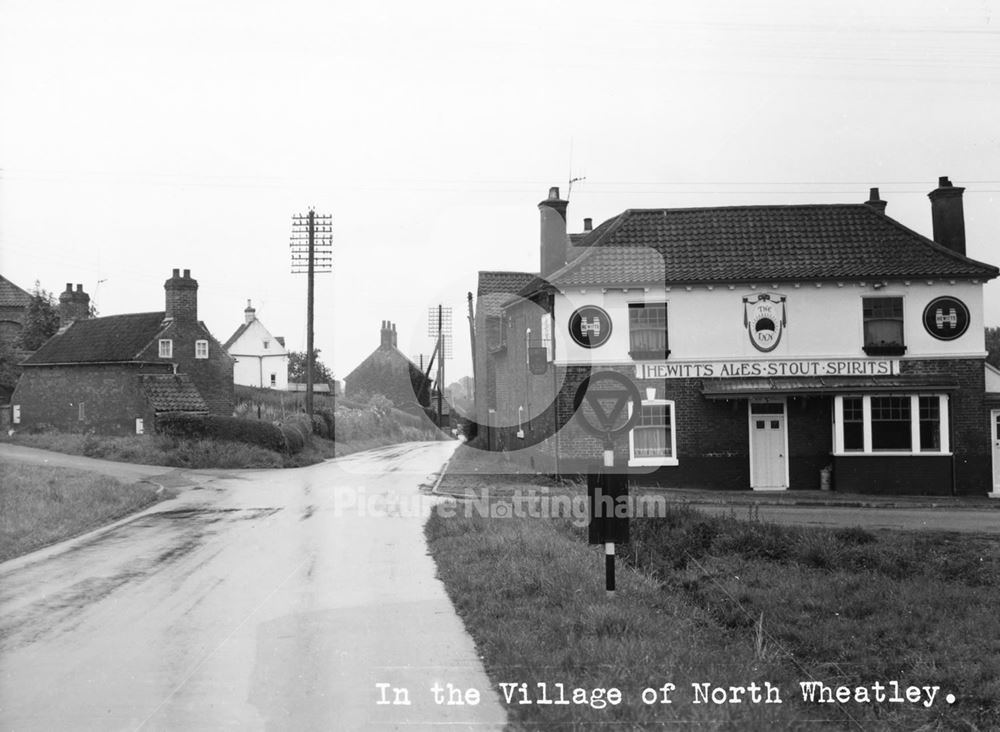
(602, 402)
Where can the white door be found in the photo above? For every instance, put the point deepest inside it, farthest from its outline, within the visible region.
(768, 465)
(995, 420)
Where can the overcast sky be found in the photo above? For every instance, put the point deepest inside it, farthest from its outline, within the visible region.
(138, 137)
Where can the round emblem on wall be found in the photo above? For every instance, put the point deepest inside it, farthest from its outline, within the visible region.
(589, 326)
(946, 318)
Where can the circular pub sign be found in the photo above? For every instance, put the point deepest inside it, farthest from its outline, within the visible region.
(590, 326)
(946, 318)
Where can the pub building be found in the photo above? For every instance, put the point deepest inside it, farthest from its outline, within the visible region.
(773, 347)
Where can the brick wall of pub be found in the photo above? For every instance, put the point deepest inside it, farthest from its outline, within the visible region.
(213, 376)
(969, 419)
(112, 397)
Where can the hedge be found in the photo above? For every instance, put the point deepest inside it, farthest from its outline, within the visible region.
(237, 429)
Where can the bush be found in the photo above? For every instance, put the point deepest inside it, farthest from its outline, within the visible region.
(233, 429)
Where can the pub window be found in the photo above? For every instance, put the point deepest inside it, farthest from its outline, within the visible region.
(647, 323)
(891, 419)
(166, 348)
(911, 424)
(854, 425)
(883, 324)
(930, 424)
(201, 349)
(653, 440)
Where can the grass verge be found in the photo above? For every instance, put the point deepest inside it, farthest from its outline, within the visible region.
(41, 505)
(729, 602)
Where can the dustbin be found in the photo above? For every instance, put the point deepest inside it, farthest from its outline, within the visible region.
(826, 478)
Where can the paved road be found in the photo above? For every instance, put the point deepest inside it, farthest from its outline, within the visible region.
(263, 600)
(908, 519)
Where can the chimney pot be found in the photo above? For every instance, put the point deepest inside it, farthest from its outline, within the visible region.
(187, 274)
(69, 287)
(554, 193)
(874, 201)
(177, 273)
(79, 288)
(943, 182)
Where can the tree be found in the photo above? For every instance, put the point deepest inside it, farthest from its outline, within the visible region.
(297, 368)
(41, 319)
(993, 346)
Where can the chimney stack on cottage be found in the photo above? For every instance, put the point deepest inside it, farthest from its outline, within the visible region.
(554, 240)
(948, 215)
(588, 224)
(875, 202)
(249, 315)
(388, 335)
(73, 305)
(182, 296)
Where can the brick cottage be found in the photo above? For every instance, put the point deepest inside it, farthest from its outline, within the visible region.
(115, 374)
(769, 345)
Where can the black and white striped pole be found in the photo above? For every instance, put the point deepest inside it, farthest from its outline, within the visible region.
(606, 395)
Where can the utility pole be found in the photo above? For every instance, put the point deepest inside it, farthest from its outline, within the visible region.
(312, 252)
(439, 327)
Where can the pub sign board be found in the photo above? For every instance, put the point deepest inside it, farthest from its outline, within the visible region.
(590, 326)
(946, 318)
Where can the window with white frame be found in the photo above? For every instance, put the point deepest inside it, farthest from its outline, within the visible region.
(201, 349)
(907, 424)
(653, 440)
(647, 324)
(166, 348)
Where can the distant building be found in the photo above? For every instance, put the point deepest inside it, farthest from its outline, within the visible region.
(388, 372)
(116, 374)
(13, 301)
(261, 359)
(768, 345)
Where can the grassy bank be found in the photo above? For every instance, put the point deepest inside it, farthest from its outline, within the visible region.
(729, 602)
(42, 505)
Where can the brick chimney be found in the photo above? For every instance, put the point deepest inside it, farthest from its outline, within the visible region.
(875, 202)
(553, 232)
(393, 335)
(387, 335)
(948, 215)
(249, 315)
(73, 305)
(182, 296)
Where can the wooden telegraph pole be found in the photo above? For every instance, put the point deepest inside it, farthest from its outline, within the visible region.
(312, 252)
(439, 328)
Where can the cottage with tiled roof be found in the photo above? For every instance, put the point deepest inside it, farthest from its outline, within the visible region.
(768, 343)
(13, 301)
(261, 359)
(116, 374)
(387, 371)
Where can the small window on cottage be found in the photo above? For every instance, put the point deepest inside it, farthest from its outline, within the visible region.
(201, 349)
(267, 344)
(883, 323)
(82, 411)
(647, 323)
(274, 379)
(139, 426)
(166, 348)
(16, 414)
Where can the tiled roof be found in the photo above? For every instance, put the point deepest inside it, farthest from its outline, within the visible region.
(173, 393)
(111, 339)
(12, 296)
(648, 246)
(496, 287)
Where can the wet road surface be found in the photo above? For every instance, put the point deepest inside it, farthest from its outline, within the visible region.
(261, 600)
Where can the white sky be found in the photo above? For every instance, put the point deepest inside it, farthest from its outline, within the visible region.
(138, 137)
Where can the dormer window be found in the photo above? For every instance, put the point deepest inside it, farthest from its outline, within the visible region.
(883, 325)
(201, 349)
(166, 348)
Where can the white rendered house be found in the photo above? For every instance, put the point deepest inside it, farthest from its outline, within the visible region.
(261, 358)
